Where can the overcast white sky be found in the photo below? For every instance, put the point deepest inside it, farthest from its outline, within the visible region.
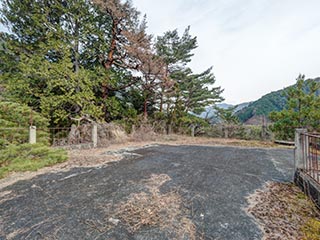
(255, 46)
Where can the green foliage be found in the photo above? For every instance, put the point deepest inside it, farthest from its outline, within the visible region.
(196, 91)
(272, 102)
(243, 132)
(226, 116)
(174, 49)
(53, 88)
(93, 59)
(302, 110)
(15, 153)
(19, 117)
(114, 107)
(187, 92)
(130, 120)
(311, 229)
(27, 157)
(45, 49)
(189, 119)
(184, 124)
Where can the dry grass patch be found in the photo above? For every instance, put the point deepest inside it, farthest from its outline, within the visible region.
(144, 133)
(153, 209)
(207, 141)
(284, 212)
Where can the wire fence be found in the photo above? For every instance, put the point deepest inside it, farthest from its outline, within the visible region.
(70, 136)
(55, 137)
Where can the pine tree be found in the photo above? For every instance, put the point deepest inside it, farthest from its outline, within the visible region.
(197, 91)
(127, 39)
(69, 59)
(225, 116)
(302, 109)
(152, 68)
(184, 91)
(176, 52)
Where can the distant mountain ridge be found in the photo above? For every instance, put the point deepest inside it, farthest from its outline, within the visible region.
(210, 111)
(260, 109)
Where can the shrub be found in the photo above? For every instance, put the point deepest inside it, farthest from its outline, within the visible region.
(18, 117)
(29, 157)
(183, 124)
(245, 132)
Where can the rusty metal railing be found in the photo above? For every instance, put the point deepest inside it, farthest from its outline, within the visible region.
(311, 155)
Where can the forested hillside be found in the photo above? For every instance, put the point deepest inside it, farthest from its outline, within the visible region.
(81, 59)
(274, 101)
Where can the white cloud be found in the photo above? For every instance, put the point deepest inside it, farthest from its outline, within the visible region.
(255, 46)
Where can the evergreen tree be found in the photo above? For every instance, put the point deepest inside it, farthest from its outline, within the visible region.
(226, 116)
(152, 69)
(47, 74)
(126, 42)
(182, 90)
(69, 59)
(176, 52)
(302, 109)
(196, 90)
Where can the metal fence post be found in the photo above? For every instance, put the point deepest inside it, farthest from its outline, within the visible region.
(32, 135)
(299, 153)
(95, 135)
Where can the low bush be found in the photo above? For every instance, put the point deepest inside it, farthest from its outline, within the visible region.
(15, 120)
(29, 157)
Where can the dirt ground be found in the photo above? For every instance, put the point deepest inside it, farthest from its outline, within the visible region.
(116, 151)
(284, 212)
(185, 189)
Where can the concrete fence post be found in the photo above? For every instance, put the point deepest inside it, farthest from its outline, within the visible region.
(95, 135)
(192, 130)
(299, 153)
(32, 134)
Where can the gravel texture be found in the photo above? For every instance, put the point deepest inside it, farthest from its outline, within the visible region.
(208, 185)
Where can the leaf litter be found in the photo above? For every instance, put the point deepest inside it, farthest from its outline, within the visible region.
(284, 212)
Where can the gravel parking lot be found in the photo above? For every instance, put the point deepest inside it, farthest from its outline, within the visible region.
(160, 192)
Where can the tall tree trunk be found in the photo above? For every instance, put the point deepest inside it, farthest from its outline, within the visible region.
(163, 88)
(113, 44)
(76, 62)
(161, 99)
(108, 64)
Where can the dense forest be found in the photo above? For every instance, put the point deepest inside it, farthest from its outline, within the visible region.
(81, 59)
